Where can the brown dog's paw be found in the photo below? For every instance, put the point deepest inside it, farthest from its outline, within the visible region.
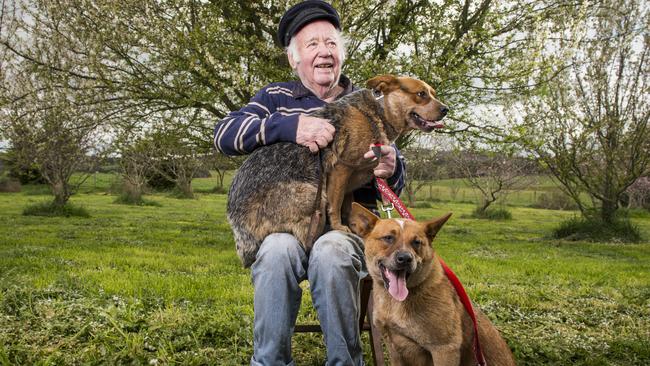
(343, 228)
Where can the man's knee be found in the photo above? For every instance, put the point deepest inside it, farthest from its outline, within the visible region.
(279, 246)
(280, 250)
(338, 249)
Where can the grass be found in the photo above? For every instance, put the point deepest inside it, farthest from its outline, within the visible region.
(163, 285)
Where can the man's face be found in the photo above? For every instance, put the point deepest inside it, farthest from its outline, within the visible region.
(317, 48)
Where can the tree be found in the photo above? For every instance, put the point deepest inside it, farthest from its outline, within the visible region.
(16, 168)
(638, 194)
(53, 121)
(424, 165)
(492, 173)
(135, 164)
(589, 126)
(472, 52)
(49, 131)
(210, 57)
(222, 164)
(149, 58)
(174, 156)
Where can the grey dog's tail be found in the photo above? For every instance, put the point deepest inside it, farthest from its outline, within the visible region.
(246, 244)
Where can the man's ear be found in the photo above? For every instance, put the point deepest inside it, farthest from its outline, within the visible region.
(292, 62)
(433, 226)
(362, 221)
(383, 83)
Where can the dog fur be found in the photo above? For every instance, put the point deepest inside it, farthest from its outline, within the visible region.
(415, 306)
(275, 188)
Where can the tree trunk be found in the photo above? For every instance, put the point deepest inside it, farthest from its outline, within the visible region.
(185, 188)
(410, 194)
(133, 191)
(484, 207)
(608, 210)
(61, 193)
(221, 175)
(610, 198)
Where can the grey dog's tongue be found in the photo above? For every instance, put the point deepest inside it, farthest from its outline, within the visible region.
(396, 284)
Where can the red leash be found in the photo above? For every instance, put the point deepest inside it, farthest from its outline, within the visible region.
(389, 195)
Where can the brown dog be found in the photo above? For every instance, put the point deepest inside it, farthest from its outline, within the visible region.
(408, 104)
(276, 189)
(415, 305)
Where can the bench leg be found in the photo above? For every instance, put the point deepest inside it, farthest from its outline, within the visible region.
(375, 338)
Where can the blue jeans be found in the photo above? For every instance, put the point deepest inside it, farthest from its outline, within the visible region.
(334, 269)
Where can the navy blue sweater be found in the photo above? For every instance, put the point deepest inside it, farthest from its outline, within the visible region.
(272, 116)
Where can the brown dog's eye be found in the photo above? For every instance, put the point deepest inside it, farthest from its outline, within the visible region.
(389, 239)
(422, 94)
(416, 243)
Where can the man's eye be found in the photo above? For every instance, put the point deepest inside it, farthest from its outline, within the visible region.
(331, 44)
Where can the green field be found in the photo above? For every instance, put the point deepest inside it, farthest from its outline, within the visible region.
(163, 285)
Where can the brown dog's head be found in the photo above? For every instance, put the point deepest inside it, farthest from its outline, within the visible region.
(398, 252)
(410, 101)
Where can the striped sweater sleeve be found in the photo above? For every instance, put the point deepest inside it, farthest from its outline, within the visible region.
(397, 182)
(256, 124)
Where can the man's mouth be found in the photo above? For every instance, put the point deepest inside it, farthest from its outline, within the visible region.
(395, 282)
(325, 66)
(426, 124)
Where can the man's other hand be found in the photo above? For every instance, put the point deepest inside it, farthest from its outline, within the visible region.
(314, 132)
(386, 167)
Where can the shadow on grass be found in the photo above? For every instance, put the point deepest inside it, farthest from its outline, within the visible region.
(497, 214)
(126, 199)
(54, 210)
(596, 230)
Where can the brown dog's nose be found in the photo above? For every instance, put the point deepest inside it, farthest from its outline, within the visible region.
(443, 110)
(403, 258)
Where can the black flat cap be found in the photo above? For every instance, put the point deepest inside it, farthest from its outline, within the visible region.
(302, 14)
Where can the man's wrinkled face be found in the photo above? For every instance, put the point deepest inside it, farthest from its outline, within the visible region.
(318, 61)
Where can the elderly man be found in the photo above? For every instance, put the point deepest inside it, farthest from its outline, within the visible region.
(310, 32)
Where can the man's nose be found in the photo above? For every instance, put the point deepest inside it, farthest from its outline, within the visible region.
(324, 50)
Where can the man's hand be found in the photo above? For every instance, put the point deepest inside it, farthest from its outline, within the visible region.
(314, 132)
(386, 167)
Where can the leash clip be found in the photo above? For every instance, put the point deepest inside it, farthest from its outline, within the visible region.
(387, 209)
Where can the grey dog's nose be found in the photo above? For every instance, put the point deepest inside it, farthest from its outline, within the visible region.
(443, 110)
(403, 258)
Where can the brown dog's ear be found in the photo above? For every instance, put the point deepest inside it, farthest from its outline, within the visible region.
(383, 83)
(434, 225)
(362, 221)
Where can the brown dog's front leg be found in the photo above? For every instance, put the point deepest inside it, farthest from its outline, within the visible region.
(404, 352)
(337, 180)
(446, 355)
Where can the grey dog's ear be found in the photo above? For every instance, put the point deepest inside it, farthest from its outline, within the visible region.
(362, 221)
(383, 83)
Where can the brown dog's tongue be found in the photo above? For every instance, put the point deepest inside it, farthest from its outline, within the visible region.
(397, 284)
